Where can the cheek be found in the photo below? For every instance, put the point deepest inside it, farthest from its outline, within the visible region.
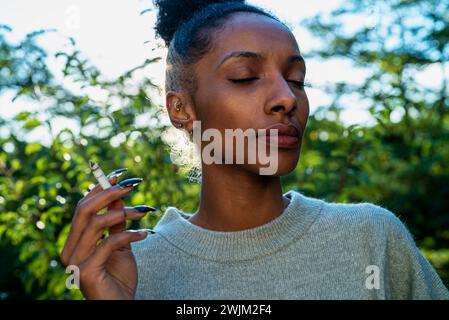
(226, 108)
(303, 109)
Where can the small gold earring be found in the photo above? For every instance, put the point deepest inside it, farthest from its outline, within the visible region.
(179, 125)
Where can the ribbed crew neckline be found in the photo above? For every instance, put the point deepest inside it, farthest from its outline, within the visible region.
(292, 223)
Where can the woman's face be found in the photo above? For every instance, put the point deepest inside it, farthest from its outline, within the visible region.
(270, 96)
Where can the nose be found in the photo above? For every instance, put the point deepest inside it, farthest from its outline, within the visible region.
(283, 98)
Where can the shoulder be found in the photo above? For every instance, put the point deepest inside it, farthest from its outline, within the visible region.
(366, 218)
(362, 212)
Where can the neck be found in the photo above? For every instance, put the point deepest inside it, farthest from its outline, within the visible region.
(233, 199)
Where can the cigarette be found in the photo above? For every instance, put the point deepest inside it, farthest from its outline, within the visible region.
(99, 175)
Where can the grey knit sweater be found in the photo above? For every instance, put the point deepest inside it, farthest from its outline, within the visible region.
(313, 250)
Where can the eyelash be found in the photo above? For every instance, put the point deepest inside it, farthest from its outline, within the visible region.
(300, 84)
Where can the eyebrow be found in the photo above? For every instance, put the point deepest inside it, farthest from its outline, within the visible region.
(257, 56)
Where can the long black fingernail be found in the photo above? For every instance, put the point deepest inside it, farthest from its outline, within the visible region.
(117, 173)
(144, 208)
(148, 230)
(131, 182)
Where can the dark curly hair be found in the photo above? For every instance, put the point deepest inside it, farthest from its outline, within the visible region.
(186, 27)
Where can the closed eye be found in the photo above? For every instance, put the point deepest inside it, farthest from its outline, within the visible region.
(300, 84)
(243, 80)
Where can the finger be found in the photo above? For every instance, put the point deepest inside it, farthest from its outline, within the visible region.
(97, 188)
(94, 231)
(121, 226)
(111, 243)
(112, 177)
(102, 200)
(84, 213)
(118, 204)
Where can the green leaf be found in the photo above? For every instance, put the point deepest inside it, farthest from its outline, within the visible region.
(31, 124)
(16, 165)
(32, 148)
(22, 115)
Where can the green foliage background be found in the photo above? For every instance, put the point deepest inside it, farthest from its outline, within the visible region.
(399, 164)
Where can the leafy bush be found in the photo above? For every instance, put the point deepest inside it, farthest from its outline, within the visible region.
(400, 164)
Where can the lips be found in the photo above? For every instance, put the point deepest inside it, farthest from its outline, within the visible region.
(288, 135)
(284, 130)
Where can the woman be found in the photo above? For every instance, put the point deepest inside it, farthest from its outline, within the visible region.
(234, 66)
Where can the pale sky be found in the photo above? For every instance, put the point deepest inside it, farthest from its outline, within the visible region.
(112, 35)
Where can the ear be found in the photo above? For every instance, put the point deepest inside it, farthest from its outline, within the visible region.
(180, 110)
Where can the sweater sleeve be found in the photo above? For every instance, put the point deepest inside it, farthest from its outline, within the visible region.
(410, 275)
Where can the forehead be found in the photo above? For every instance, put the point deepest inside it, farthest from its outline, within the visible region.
(245, 31)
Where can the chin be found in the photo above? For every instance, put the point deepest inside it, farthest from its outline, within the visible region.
(286, 164)
(285, 168)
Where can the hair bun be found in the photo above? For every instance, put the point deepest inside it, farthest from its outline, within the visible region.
(172, 13)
